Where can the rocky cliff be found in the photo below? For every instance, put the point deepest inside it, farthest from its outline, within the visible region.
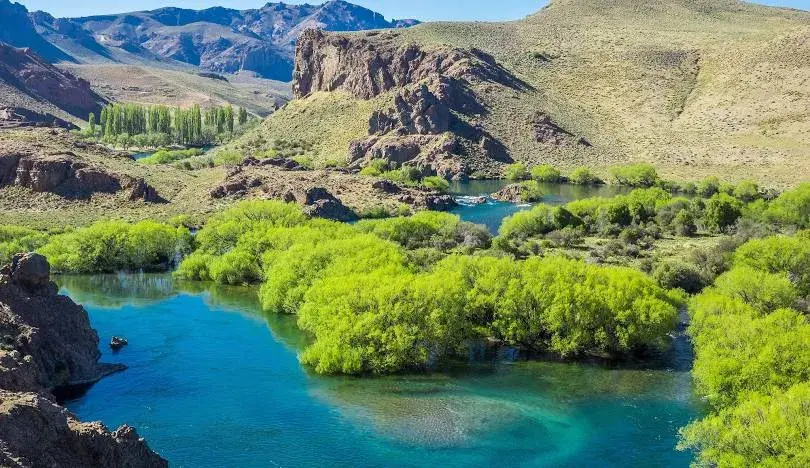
(47, 344)
(436, 98)
(68, 176)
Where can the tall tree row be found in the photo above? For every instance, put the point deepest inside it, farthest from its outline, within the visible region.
(191, 126)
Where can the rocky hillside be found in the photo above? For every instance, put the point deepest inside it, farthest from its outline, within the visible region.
(34, 91)
(216, 39)
(695, 87)
(48, 344)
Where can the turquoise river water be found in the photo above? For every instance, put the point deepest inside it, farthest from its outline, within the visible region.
(469, 194)
(213, 382)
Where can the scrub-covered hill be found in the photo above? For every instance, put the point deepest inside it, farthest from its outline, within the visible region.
(694, 87)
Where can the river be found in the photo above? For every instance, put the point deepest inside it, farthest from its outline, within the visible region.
(490, 213)
(212, 381)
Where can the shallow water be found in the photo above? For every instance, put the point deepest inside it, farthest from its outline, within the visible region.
(492, 212)
(214, 382)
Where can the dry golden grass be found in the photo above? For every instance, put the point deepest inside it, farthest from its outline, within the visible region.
(697, 87)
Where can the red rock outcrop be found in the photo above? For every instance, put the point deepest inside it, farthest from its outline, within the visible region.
(69, 177)
(425, 125)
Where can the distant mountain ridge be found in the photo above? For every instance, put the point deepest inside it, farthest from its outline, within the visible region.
(218, 39)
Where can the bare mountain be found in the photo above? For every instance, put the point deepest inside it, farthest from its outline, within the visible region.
(34, 91)
(216, 39)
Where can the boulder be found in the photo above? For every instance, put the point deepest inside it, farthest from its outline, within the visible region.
(330, 209)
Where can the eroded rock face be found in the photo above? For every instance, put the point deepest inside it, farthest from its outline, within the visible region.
(367, 67)
(47, 338)
(427, 125)
(69, 177)
(46, 343)
(35, 431)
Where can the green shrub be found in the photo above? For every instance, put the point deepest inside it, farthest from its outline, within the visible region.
(166, 156)
(516, 172)
(721, 212)
(765, 430)
(530, 191)
(746, 191)
(583, 176)
(708, 187)
(675, 274)
(791, 208)
(112, 246)
(635, 175)
(436, 183)
(18, 239)
(546, 173)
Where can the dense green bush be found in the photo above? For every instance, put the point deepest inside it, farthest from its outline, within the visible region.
(681, 275)
(583, 176)
(384, 322)
(382, 296)
(764, 430)
(18, 239)
(747, 191)
(530, 191)
(516, 171)
(546, 173)
(436, 183)
(571, 308)
(634, 175)
(779, 255)
(708, 187)
(752, 361)
(166, 156)
(740, 353)
(721, 212)
(791, 208)
(442, 231)
(111, 246)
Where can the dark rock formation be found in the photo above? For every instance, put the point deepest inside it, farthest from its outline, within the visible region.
(367, 66)
(117, 343)
(512, 193)
(546, 131)
(35, 431)
(47, 344)
(32, 76)
(48, 340)
(67, 176)
(319, 203)
(427, 125)
(17, 29)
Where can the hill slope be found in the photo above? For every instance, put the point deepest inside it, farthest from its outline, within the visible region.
(216, 39)
(32, 90)
(695, 87)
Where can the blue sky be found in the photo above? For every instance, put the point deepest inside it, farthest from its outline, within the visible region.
(426, 10)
